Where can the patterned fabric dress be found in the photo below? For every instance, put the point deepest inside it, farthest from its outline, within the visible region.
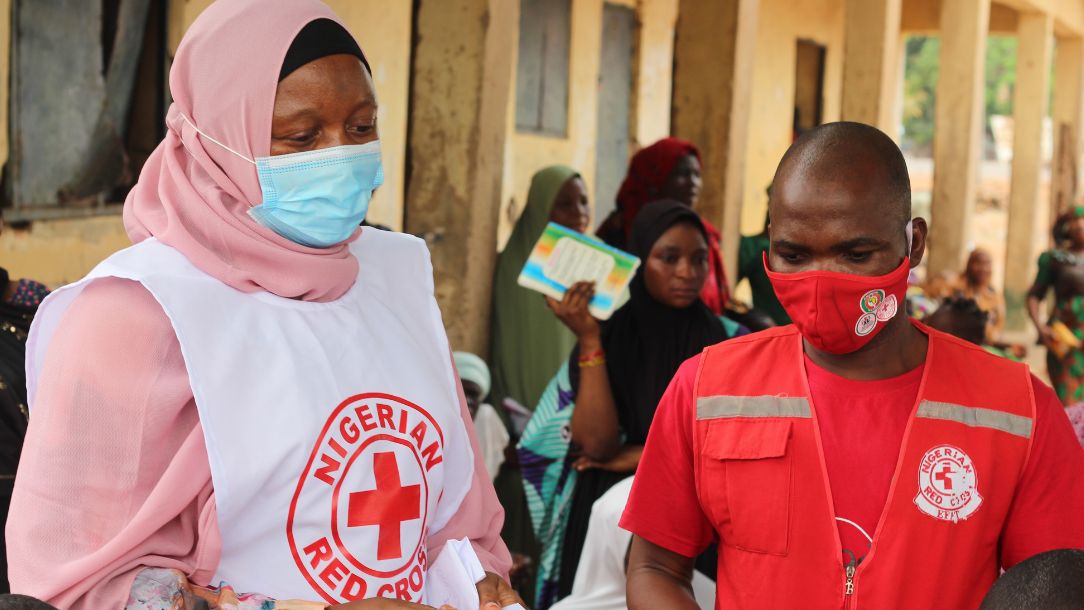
(1066, 370)
(548, 479)
(16, 314)
(548, 476)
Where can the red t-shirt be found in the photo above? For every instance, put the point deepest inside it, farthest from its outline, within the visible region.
(861, 425)
(1047, 514)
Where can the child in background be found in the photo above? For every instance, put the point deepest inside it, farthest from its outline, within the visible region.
(964, 318)
(492, 435)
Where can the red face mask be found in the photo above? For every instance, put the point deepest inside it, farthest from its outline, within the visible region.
(839, 313)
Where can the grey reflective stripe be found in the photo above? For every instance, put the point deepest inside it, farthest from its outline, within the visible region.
(719, 407)
(977, 417)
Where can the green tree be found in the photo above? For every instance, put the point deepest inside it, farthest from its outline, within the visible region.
(1000, 74)
(920, 84)
(920, 90)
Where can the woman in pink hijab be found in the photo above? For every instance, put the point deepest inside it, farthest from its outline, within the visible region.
(257, 392)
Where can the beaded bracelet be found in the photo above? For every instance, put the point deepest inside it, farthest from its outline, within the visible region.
(592, 360)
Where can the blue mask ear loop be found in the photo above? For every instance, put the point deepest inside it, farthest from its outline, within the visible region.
(201, 132)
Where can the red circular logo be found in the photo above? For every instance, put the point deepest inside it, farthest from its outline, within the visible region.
(358, 519)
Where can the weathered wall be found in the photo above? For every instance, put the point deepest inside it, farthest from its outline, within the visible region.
(53, 252)
(464, 62)
(782, 23)
(713, 73)
(530, 152)
(56, 252)
(654, 67)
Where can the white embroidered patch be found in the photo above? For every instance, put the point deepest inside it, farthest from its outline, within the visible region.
(947, 484)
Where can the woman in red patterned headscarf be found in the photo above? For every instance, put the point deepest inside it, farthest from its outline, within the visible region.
(668, 169)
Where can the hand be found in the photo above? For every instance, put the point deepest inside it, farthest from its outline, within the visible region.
(382, 603)
(1018, 351)
(572, 310)
(521, 567)
(494, 593)
(626, 460)
(1046, 335)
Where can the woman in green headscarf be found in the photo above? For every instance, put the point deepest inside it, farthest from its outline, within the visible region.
(529, 344)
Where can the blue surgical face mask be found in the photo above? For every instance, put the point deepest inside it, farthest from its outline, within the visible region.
(316, 198)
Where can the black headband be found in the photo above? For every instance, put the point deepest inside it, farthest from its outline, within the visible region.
(320, 38)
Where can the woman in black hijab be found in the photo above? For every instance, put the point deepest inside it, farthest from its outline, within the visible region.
(620, 368)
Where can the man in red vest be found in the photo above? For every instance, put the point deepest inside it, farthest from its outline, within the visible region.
(854, 459)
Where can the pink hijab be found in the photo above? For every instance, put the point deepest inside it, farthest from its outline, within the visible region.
(193, 194)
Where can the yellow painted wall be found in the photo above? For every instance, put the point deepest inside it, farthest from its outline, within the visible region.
(526, 153)
(781, 24)
(654, 71)
(58, 252)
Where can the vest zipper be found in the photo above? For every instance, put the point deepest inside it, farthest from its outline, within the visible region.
(849, 589)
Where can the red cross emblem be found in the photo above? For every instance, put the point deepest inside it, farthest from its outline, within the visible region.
(944, 478)
(387, 506)
(359, 517)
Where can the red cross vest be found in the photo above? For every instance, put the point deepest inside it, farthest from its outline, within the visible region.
(334, 430)
(761, 479)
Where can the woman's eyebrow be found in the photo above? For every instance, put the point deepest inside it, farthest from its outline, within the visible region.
(312, 112)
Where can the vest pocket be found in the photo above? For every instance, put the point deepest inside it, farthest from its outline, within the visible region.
(747, 471)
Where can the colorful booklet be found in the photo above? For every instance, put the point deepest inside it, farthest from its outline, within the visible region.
(563, 257)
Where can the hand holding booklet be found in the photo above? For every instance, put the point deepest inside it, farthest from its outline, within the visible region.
(453, 578)
(563, 257)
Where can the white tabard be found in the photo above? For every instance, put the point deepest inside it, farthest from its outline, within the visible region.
(333, 430)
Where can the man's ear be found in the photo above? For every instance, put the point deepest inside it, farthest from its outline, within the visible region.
(919, 232)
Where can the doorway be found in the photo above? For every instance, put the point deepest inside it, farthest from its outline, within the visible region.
(808, 86)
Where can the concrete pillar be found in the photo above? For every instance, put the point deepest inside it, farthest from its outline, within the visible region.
(1033, 57)
(713, 76)
(464, 73)
(654, 78)
(871, 62)
(1068, 117)
(895, 106)
(958, 137)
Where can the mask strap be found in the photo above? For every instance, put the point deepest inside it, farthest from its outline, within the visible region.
(859, 527)
(909, 230)
(200, 132)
